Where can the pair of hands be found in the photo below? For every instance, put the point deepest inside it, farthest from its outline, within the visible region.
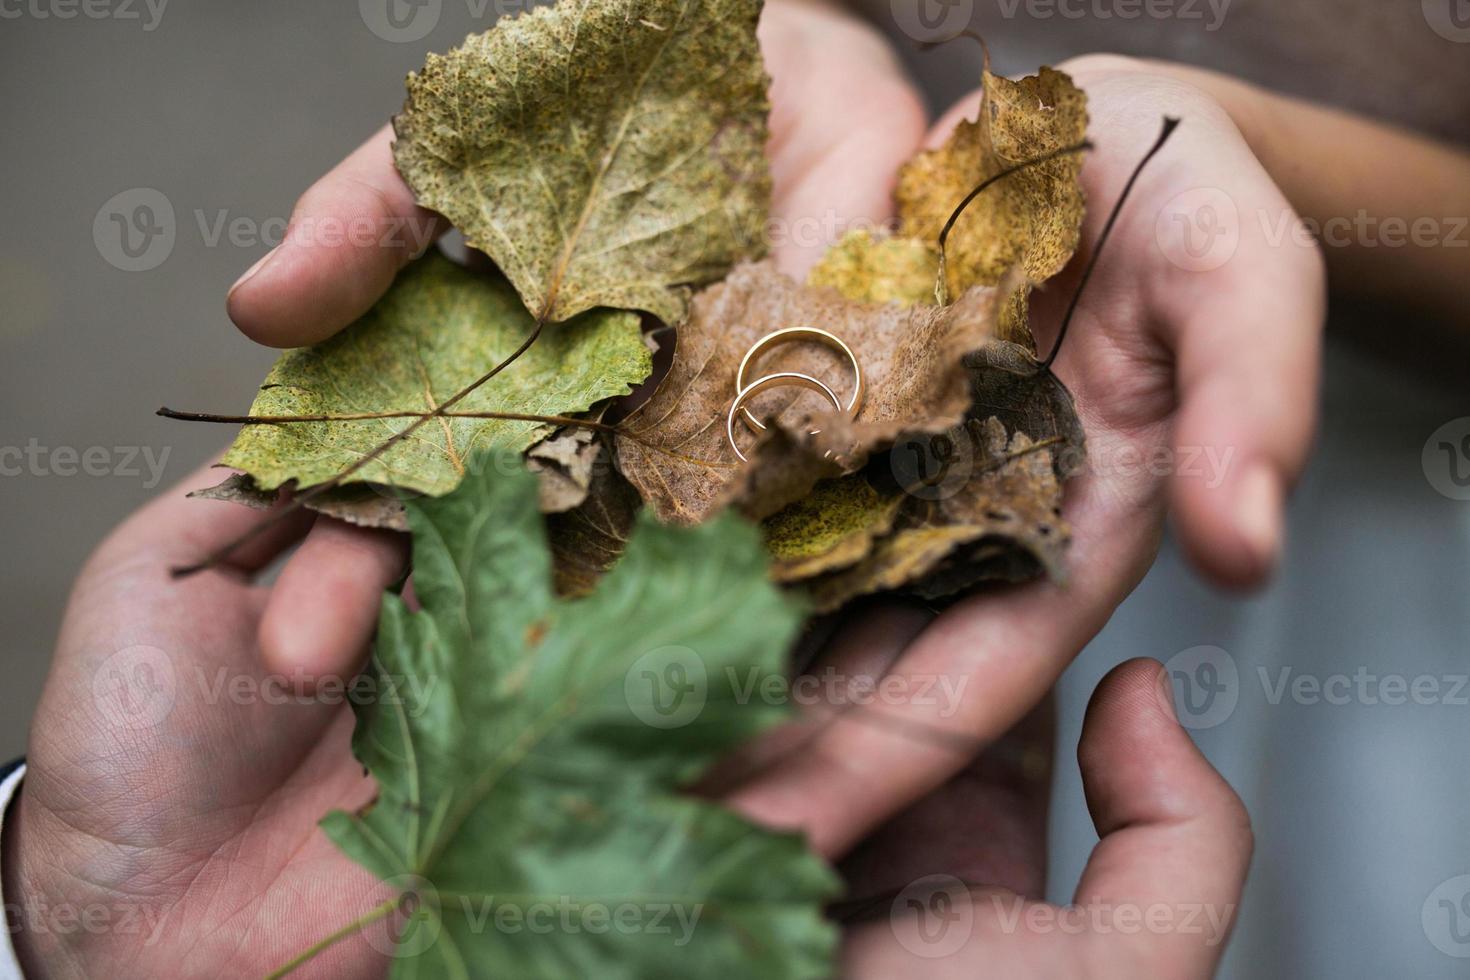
(201, 816)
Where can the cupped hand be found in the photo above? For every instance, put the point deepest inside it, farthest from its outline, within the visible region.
(1193, 359)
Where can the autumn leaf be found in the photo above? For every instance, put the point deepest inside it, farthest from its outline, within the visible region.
(587, 540)
(1033, 218)
(602, 152)
(987, 505)
(564, 463)
(528, 749)
(940, 514)
(674, 449)
(832, 527)
(437, 330)
(879, 269)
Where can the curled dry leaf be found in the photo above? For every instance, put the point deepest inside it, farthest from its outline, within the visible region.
(588, 540)
(602, 152)
(1031, 219)
(564, 464)
(674, 450)
(990, 508)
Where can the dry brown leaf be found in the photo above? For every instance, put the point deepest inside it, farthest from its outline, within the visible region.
(1031, 219)
(991, 509)
(564, 462)
(588, 539)
(673, 449)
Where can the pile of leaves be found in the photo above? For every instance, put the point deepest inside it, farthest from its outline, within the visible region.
(608, 157)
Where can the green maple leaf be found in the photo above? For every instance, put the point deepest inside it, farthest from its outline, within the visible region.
(436, 331)
(528, 750)
(603, 152)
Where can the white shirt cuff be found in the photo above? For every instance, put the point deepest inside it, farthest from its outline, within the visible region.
(9, 963)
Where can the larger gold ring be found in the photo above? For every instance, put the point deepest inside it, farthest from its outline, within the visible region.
(786, 336)
(773, 381)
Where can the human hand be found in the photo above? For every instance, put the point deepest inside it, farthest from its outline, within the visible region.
(956, 883)
(153, 788)
(174, 785)
(1196, 382)
(843, 119)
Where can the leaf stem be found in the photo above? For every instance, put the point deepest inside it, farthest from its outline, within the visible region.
(169, 413)
(301, 500)
(941, 285)
(351, 928)
(1170, 124)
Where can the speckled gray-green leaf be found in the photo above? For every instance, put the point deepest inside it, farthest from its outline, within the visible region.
(436, 331)
(603, 152)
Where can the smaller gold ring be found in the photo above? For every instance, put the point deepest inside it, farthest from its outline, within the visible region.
(773, 381)
(786, 336)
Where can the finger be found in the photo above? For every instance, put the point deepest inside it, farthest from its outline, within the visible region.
(324, 607)
(844, 118)
(966, 680)
(986, 826)
(1247, 385)
(175, 530)
(348, 236)
(1176, 840)
(864, 645)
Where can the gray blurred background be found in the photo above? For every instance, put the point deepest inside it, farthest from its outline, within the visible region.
(229, 110)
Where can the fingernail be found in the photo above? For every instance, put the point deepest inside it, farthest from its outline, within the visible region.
(1258, 513)
(250, 273)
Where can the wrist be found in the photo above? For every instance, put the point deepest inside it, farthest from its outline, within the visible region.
(15, 889)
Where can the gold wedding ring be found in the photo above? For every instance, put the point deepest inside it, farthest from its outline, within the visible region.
(772, 381)
(791, 335)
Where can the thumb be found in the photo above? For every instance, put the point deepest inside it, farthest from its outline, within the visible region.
(1176, 840)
